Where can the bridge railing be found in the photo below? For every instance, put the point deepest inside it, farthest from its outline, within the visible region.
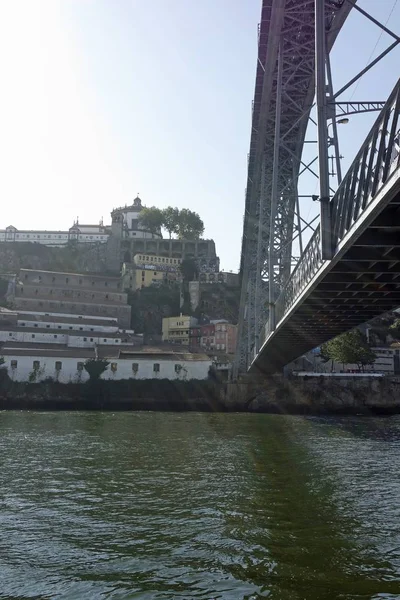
(308, 265)
(376, 161)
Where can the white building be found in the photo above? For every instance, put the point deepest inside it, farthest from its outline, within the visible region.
(74, 331)
(127, 217)
(67, 366)
(86, 234)
(125, 221)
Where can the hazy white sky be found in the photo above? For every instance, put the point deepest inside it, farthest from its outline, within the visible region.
(102, 99)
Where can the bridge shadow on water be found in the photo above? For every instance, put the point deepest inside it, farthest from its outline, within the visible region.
(301, 536)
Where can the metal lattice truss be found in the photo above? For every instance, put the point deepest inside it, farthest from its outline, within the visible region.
(352, 108)
(283, 98)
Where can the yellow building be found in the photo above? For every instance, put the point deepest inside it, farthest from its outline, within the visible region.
(135, 278)
(176, 330)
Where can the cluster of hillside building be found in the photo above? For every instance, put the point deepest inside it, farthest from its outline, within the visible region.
(60, 320)
(56, 321)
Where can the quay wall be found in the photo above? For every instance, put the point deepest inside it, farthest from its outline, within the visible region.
(274, 395)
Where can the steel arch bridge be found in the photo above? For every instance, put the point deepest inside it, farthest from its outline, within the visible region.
(293, 67)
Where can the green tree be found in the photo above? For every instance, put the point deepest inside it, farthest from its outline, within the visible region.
(395, 329)
(4, 378)
(95, 367)
(189, 269)
(150, 304)
(350, 348)
(324, 353)
(151, 219)
(171, 220)
(190, 226)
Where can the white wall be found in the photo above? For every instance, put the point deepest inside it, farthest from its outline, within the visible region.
(59, 238)
(90, 340)
(68, 326)
(86, 340)
(68, 315)
(38, 337)
(194, 369)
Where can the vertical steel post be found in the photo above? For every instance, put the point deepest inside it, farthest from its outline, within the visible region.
(274, 193)
(260, 263)
(323, 157)
(334, 124)
(250, 317)
(299, 223)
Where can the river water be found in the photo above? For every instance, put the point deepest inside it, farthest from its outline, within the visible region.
(204, 506)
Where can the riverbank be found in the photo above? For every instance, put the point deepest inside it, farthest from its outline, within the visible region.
(314, 396)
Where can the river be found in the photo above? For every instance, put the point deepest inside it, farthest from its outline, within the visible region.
(203, 506)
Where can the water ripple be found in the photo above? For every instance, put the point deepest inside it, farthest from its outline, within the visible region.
(163, 506)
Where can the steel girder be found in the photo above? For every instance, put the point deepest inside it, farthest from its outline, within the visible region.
(286, 26)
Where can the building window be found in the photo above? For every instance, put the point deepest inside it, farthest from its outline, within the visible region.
(156, 367)
(114, 367)
(36, 364)
(178, 368)
(58, 365)
(70, 327)
(35, 324)
(85, 339)
(66, 280)
(91, 339)
(33, 335)
(59, 326)
(22, 324)
(10, 334)
(135, 367)
(47, 326)
(80, 328)
(79, 366)
(116, 341)
(105, 340)
(14, 364)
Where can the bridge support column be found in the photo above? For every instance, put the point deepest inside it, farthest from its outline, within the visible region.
(274, 195)
(322, 122)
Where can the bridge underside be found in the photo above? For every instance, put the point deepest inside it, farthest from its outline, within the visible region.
(360, 283)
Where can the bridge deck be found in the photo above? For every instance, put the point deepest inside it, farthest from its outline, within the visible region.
(325, 298)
